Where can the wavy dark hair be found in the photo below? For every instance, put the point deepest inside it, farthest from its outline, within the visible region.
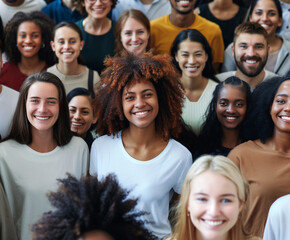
(87, 205)
(21, 127)
(130, 69)
(194, 35)
(210, 138)
(46, 25)
(259, 124)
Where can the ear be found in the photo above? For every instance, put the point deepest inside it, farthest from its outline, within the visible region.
(233, 50)
(82, 44)
(52, 45)
(176, 58)
(206, 57)
(94, 120)
(280, 22)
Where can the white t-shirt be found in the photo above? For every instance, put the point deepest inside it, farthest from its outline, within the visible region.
(152, 182)
(278, 221)
(8, 103)
(27, 177)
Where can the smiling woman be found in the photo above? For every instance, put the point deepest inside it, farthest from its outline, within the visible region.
(212, 198)
(138, 106)
(31, 34)
(265, 161)
(39, 149)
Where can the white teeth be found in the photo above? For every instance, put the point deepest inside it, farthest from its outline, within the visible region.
(77, 124)
(213, 223)
(28, 48)
(231, 118)
(191, 68)
(135, 45)
(41, 118)
(184, 2)
(285, 118)
(264, 25)
(140, 113)
(251, 61)
(67, 53)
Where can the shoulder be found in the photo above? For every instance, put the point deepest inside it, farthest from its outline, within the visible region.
(178, 150)
(106, 140)
(223, 76)
(159, 21)
(76, 143)
(199, 20)
(269, 75)
(280, 205)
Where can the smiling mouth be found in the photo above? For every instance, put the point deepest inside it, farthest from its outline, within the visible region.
(141, 113)
(213, 223)
(67, 53)
(28, 47)
(77, 124)
(286, 118)
(41, 118)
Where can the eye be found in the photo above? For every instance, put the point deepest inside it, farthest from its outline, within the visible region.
(60, 41)
(22, 35)
(184, 55)
(129, 98)
(223, 104)
(140, 32)
(73, 41)
(226, 200)
(85, 112)
(239, 104)
(72, 110)
(127, 33)
(258, 12)
(148, 94)
(201, 199)
(280, 101)
(243, 46)
(51, 102)
(35, 36)
(34, 101)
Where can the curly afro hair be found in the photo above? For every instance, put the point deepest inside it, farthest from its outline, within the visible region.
(127, 70)
(88, 205)
(10, 34)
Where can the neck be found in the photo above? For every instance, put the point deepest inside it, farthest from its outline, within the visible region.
(285, 1)
(70, 68)
(252, 81)
(230, 137)
(280, 141)
(182, 20)
(222, 4)
(146, 2)
(190, 84)
(14, 4)
(42, 141)
(31, 65)
(96, 26)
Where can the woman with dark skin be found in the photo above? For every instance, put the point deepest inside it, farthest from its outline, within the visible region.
(27, 46)
(265, 160)
(223, 127)
(103, 210)
(138, 108)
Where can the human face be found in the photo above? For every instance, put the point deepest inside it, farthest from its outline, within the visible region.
(67, 45)
(97, 235)
(231, 106)
(134, 37)
(42, 106)
(81, 115)
(140, 104)
(29, 39)
(183, 7)
(250, 52)
(266, 14)
(191, 58)
(280, 110)
(213, 205)
(98, 9)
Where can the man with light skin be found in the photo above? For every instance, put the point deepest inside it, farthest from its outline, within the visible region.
(166, 28)
(250, 51)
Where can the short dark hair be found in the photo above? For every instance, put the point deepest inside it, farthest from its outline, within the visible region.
(87, 205)
(128, 69)
(194, 36)
(210, 137)
(21, 127)
(259, 124)
(40, 19)
(250, 28)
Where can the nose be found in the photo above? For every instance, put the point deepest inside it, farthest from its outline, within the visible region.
(42, 107)
(27, 38)
(213, 209)
(230, 108)
(77, 115)
(66, 45)
(191, 59)
(251, 51)
(264, 16)
(139, 102)
(134, 37)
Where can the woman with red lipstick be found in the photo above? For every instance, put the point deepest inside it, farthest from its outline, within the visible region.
(133, 32)
(223, 127)
(138, 106)
(265, 161)
(67, 44)
(27, 47)
(39, 150)
(211, 202)
(192, 57)
(98, 32)
(268, 13)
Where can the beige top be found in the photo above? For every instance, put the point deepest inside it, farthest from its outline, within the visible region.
(268, 173)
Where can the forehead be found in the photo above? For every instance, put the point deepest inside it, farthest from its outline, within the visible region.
(284, 88)
(232, 92)
(80, 101)
(43, 89)
(133, 23)
(265, 4)
(251, 39)
(28, 26)
(66, 31)
(190, 45)
(138, 85)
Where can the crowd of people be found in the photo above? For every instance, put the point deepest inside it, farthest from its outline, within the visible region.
(144, 119)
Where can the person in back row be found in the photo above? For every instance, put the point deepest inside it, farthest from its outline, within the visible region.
(250, 51)
(166, 28)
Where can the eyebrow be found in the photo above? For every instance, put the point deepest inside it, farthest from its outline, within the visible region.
(188, 51)
(226, 99)
(145, 90)
(223, 195)
(46, 98)
(282, 95)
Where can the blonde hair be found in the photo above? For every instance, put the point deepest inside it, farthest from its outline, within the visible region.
(184, 229)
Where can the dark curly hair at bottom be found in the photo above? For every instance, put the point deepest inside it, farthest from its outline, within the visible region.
(88, 205)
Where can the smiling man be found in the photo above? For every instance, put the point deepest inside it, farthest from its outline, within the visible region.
(250, 51)
(166, 28)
